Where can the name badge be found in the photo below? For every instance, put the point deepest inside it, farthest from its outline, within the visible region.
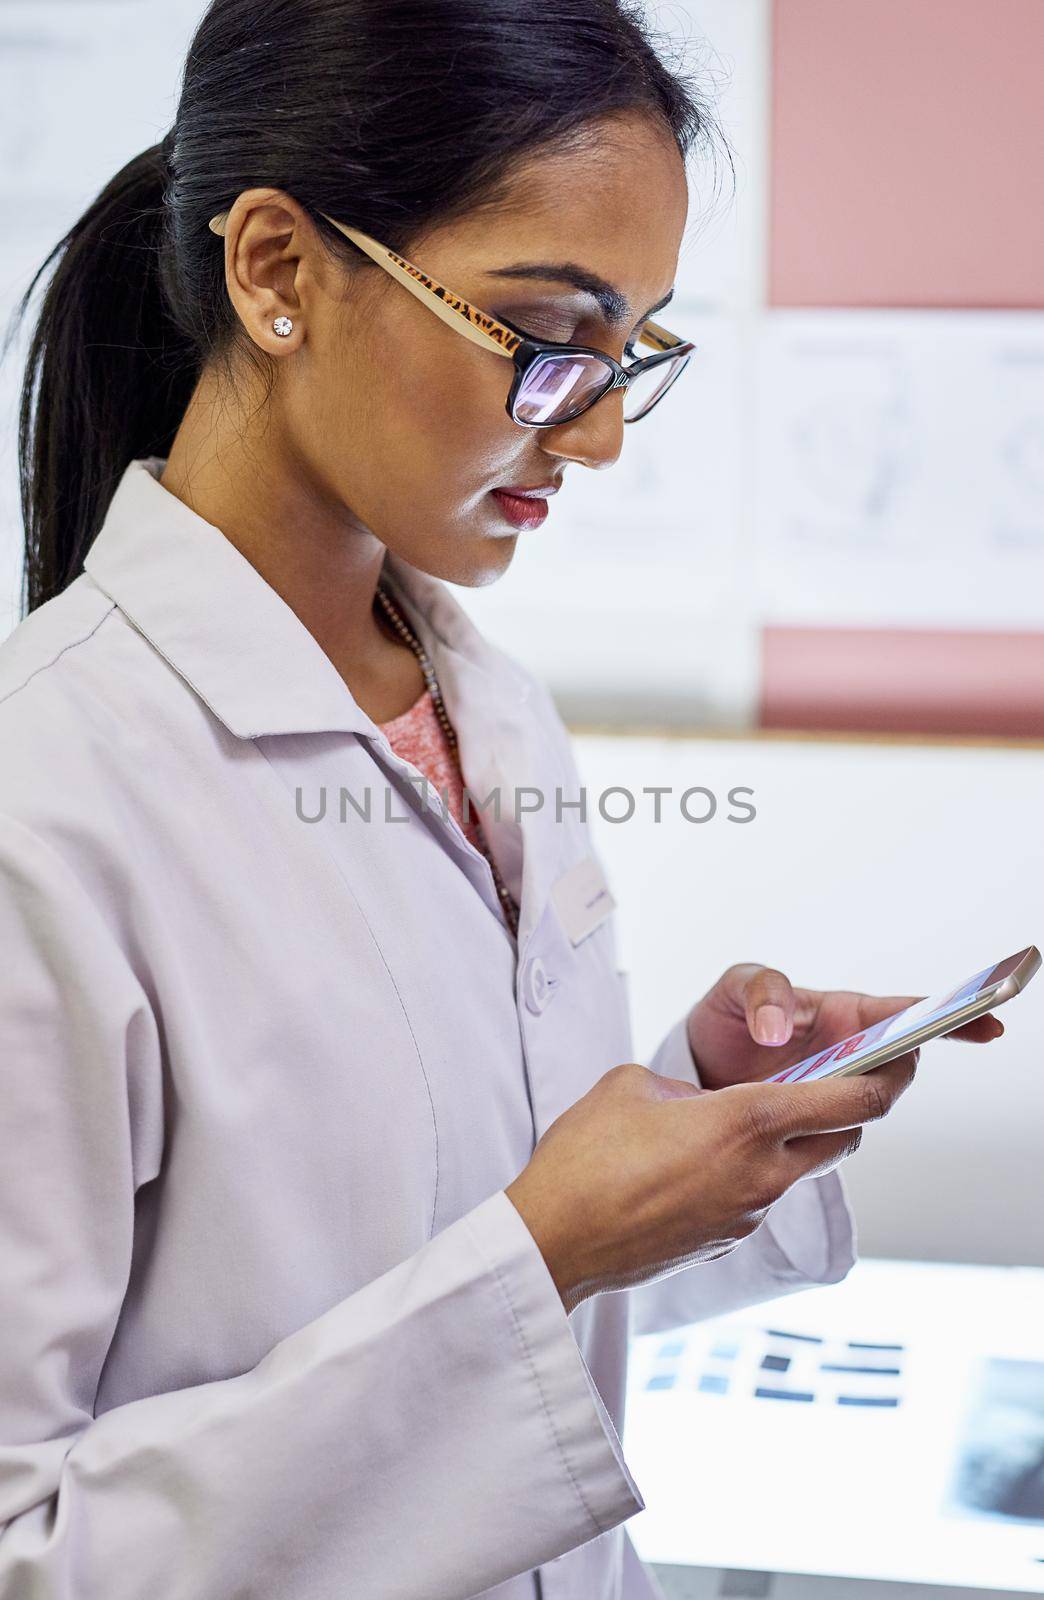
(582, 899)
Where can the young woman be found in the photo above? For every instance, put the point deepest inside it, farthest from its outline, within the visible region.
(324, 1151)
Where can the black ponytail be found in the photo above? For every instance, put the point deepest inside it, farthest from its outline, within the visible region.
(390, 115)
(108, 373)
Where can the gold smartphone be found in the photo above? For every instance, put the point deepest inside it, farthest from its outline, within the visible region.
(894, 1035)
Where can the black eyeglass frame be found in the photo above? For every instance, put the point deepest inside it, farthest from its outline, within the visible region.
(531, 350)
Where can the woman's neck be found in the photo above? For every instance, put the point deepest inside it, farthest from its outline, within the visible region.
(313, 553)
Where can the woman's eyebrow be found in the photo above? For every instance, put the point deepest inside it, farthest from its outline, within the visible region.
(615, 307)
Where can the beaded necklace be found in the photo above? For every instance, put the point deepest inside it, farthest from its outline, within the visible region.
(405, 632)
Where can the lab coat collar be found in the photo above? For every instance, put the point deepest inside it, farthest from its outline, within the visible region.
(248, 656)
(237, 643)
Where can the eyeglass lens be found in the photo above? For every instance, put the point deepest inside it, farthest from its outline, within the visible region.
(557, 388)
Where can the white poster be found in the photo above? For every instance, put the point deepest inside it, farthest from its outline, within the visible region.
(900, 470)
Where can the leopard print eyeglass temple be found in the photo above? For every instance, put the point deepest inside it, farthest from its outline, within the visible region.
(553, 383)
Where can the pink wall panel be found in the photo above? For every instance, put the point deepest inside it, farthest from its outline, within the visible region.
(908, 153)
(900, 680)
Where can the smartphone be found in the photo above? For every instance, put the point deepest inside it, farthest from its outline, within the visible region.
(894, 1035)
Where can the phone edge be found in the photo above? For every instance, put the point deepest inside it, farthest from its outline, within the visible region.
(1008, 987)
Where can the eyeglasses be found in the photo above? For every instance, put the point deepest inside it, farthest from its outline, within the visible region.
(553, 383)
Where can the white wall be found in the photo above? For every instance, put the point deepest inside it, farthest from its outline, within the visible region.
(888, 868)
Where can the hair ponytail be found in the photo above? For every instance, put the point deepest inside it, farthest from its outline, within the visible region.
(107, 377)
(391, 115)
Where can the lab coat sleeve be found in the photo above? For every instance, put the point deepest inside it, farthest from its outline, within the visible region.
(808, 1237)
(427, 1437)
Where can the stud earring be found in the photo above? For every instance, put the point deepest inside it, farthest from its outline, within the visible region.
(283, 326)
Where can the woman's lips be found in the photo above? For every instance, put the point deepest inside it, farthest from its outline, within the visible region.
(521, 512)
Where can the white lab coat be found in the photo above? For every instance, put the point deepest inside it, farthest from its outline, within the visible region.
(272, 1330)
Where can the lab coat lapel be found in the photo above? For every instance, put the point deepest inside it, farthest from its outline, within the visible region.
(505, 752)
(506, 745)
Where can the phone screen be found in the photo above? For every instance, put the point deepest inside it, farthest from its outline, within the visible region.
(847, 1052)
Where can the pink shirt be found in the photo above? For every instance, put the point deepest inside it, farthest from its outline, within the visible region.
(419, 737)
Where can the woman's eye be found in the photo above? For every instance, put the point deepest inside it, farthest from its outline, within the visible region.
(531, 329)
(555, 336)
(549, 334)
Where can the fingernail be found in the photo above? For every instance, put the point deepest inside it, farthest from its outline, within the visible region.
(770, 1024)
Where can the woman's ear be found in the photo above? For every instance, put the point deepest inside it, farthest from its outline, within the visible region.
(266, 237)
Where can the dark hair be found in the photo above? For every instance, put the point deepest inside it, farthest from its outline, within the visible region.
(391, 115)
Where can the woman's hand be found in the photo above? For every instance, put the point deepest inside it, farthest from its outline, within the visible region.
(753, 1023)
(644, 1173)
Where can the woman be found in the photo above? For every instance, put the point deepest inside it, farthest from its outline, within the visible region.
(325, 1148)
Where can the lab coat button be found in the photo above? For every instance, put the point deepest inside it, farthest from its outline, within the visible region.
(537, 986)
